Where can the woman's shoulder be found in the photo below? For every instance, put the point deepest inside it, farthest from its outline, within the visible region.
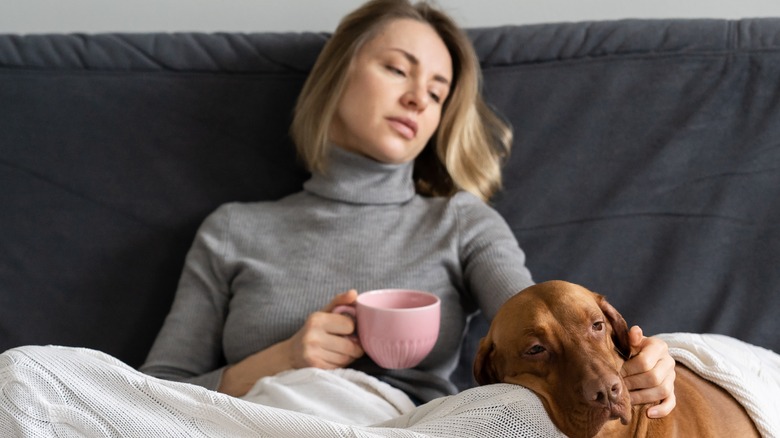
(253, 211)
(244, 207)
(469, 205)
(476, 218)
(232, 209)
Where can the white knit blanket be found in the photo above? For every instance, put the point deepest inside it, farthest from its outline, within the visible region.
(69, 392)
(64, 392)
(749, 373)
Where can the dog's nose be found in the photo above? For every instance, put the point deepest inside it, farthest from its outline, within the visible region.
(603, 391)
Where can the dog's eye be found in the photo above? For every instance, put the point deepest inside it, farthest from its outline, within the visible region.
(536, 349)
(598, 326)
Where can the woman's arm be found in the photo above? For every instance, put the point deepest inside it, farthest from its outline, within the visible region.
(494, 269)
(188, 347)
(320, 343)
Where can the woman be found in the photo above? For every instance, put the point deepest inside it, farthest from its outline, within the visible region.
(404, 155)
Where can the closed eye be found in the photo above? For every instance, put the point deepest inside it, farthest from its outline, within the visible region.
(535, 350)
(395, 70)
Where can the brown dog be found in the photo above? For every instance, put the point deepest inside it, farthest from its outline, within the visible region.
(567, 345)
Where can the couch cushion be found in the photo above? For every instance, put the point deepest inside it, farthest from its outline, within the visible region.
(645, 167)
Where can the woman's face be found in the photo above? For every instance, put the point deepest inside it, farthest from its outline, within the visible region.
(395, 92)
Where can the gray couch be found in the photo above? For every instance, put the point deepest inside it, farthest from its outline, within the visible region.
(646, 166)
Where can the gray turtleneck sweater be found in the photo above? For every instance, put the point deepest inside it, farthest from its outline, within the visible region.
(256, 271)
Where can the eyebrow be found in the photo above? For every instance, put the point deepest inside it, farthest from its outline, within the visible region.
(413, 59)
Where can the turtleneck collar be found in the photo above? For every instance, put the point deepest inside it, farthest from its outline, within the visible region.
(356, 179)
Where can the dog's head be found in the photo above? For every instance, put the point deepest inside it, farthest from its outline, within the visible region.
(567, 344)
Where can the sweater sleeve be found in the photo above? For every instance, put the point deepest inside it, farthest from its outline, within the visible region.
(493, 264)
(188, 348)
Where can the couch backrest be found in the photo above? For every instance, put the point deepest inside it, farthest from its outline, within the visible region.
(646, 166)
(113, 148)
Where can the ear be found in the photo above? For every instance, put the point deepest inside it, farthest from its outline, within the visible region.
(484, 372)
(619, 327)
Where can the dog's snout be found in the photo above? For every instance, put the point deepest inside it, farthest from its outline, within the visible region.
(603, 391)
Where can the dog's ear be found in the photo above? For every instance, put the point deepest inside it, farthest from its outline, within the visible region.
(484, 372)
(619, 327)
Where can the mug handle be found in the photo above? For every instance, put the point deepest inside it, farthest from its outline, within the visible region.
(350, 312)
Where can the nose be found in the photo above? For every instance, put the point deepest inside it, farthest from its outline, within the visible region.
(415, 98)
(603, 391)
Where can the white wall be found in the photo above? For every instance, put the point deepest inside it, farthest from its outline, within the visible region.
(40, 16)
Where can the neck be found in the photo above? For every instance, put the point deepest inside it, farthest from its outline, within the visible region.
(357, 179)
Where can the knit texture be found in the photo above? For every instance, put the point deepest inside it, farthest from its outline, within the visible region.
(257, 270)
(57, 391)
(67, 392)
(751, 374)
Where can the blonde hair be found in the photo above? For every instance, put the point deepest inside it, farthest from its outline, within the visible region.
(468, 148)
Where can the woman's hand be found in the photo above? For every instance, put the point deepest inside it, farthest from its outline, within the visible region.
(649, 375)
(322, 341)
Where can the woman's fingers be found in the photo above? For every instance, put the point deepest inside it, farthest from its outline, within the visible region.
(650, 375)
(322, 342)
(343, 299)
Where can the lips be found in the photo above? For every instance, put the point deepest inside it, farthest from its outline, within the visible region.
(404, 126)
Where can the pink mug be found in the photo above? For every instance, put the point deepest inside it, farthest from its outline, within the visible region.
(397, 328)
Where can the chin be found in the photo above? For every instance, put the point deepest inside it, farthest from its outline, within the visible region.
(393, 156)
